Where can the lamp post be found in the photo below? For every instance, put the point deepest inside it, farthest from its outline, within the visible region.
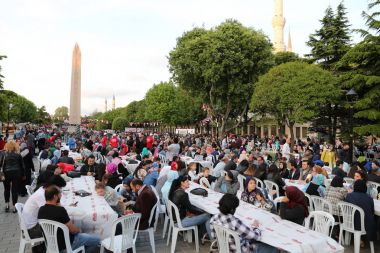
(9, 110)
(351, 97)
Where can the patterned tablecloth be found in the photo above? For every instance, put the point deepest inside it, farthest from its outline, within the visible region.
(92, 213)
(279, 233)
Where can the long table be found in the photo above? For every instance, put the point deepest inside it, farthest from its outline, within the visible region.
(277, 232)
(92, 214)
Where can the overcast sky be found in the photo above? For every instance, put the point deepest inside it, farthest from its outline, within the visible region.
(125, 43)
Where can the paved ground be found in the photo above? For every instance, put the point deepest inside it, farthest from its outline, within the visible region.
(10, 236)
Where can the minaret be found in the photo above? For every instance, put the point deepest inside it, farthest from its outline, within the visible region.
(289, 47)
(113, 102)
(75, 93)
(105, 105)
(278, 23)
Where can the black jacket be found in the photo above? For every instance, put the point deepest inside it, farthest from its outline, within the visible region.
(181, 199)
(13, 162)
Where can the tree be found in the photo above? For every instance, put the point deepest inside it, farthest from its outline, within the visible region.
(23, 110)
(330, 42)
(293, 92)
(221, 66)
(119, 123)
(1, 76)
(361, 71)
(61, 113)
(284, 57)
(43, 116)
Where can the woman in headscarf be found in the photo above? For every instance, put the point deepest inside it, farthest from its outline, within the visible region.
(316, 186)
(113, 176)
(172, 175)
(360, 198)
(145, 152)
(336, 192)
(250, 192)
(293, 206)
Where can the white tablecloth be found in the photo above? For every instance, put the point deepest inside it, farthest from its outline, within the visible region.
(92, 214)
(300, 184)
(279, 233)
(188, 159)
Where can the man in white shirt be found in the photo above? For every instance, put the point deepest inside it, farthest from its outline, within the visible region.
(31, 207)
(286, 149)
(173, 149)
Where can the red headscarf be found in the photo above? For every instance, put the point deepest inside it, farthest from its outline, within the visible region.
(296, 197)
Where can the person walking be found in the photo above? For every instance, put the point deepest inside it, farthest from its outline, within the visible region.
(14, 172)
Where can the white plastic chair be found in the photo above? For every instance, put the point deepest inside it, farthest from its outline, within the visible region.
(348, 211)
(153, 214)
(163, 159)
(241, 180)
(118, 187)
(311, 208)
(25, 238)
(259, 183)
(321, 204)
(177, 227)
(272, 186)
(375, 186)
(323, 222)
(29, 190)
(204, 182)
(223, 173)
(50, 229)
(348, 180)
(127, 240)
(223, 235)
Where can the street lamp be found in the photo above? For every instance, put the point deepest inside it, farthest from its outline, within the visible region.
(351, 97)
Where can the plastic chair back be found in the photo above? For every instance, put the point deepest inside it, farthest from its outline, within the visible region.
(50, 230)
(24, 231)
(223, 236)
(241, 180)
(118, 187)
(29, 190)
(270, 186)
(347, 211)
(348, 180)
(204, 182)
(129, 227)
(174, 213)
(323, 222)
(259, 183)
(321, 204)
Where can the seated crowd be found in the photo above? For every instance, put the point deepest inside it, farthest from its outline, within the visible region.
(153, 180)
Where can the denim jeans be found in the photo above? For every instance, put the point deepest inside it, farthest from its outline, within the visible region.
(198, 220)
(90, 242)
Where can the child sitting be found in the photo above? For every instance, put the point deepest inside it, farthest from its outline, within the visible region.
(262, 203)
(206, 174)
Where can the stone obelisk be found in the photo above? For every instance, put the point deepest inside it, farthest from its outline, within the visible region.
(278, 23)
(75, 95)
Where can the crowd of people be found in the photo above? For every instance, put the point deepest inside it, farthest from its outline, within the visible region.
(162, 175)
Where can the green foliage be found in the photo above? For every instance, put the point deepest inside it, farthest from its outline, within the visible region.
(1, 76)
(284, 57)
(119, 123)
(361, 68)
(61, 113)
(330, 42)
(221, 65)
(22, 109)
(293, 92)
(171, 105)
(43, 116)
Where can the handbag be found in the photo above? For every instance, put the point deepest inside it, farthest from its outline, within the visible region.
(2, 175)
(199, 191)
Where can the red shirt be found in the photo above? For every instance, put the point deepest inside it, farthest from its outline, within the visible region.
(114, 142)
(104, 141)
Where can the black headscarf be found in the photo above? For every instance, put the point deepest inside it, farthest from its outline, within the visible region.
(360, 186)
(337, 182)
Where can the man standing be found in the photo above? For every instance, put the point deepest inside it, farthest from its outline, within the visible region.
(286, 149)
(52, 210)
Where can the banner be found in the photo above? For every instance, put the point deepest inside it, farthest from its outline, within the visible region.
(134, 130)
(185, 131)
